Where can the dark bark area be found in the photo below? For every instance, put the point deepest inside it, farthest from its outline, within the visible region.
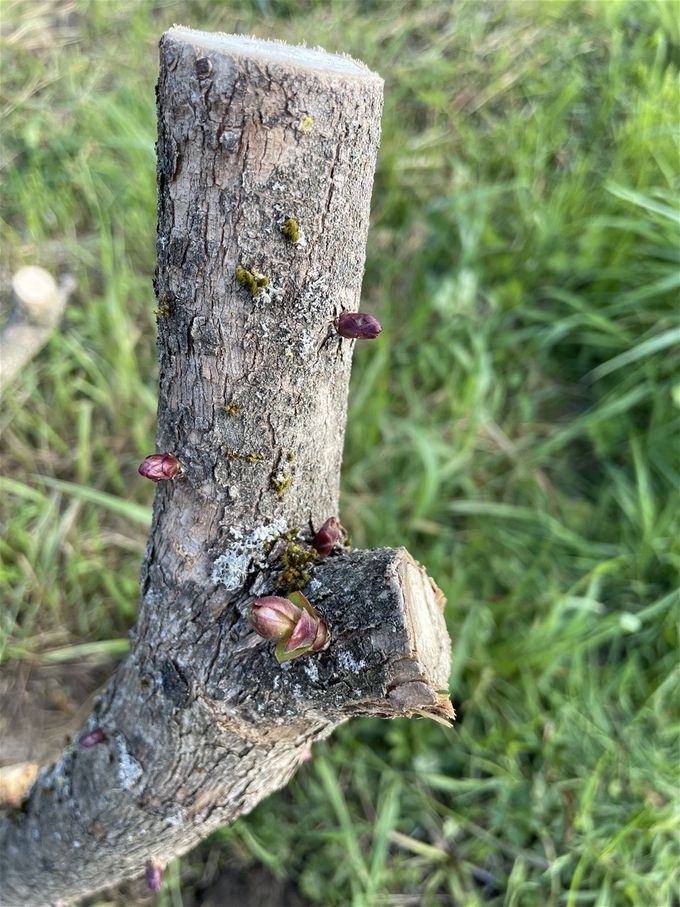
(201, 721)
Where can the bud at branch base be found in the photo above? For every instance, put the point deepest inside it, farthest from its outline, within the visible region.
(328, 536)
(273, 617)
(292, 623)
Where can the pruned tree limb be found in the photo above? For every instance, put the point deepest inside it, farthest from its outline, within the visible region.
(201, 722)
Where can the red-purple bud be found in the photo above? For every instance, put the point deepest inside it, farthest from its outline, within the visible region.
(154, 875)
(292, 623)
(159, 467)
(322, 638)
(358, 326)
(273, 617)
(93, 738)
(328, 536)
(304, 633)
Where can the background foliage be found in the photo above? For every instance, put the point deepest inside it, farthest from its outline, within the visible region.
(516, 425)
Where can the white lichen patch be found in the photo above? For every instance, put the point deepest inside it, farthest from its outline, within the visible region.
(349, 663)
(129, 769)
(306, 343)
(319, 299)
(269, 294)
(311, 670)
(246, 554)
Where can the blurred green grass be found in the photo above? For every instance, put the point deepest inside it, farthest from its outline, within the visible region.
(516, 426)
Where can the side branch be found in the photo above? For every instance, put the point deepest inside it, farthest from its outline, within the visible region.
(184, 752)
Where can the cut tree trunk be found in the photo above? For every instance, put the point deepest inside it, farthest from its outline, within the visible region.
(201, 721)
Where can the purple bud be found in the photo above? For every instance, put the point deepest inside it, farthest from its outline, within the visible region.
(154, 875)
(158, 467)
(292, 623)
(273, 617)
(327, 537)
(310, 634)
(304, 633)
(93, 738)
(322, 638)
(358, 326)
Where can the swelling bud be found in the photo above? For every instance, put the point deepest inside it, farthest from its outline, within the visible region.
(93, 738)
(328, 536)
(273, 618)
(292, 623)
(159, 467)
(358, 326)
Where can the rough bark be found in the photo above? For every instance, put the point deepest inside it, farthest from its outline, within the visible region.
(201, 721)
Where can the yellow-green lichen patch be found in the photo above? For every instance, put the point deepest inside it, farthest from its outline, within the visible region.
(232, 408)
(297, 561)
(306, 124)
(251, 279)
(164, 300)
(281, 482)
(291, 230)
(252, 457)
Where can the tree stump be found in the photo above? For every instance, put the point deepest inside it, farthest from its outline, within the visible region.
(200, 723)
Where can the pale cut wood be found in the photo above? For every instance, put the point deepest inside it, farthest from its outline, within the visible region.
(39, 303)
(201, 722)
